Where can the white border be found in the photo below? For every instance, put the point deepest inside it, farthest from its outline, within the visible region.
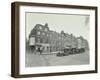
(36, 70)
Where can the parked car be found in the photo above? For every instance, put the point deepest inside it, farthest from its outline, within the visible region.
(61, 53)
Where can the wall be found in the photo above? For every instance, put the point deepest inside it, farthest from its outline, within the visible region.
(5, 40)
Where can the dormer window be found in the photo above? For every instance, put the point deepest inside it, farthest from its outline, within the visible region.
(46, 29)
(40, 27)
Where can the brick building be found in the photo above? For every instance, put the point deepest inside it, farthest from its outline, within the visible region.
(42, 36)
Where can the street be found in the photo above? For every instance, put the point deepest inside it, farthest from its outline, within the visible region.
(36, 60)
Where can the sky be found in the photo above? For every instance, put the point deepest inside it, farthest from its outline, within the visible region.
(78, 25)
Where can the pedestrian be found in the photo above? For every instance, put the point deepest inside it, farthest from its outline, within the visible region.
(41, 50)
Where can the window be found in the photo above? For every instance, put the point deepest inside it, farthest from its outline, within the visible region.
(46, 29)
(32, 41)
(43, 33)
(59, 37)
(38, 33)
(38, 40)
(59, 43)
(62, 38)
(41, 41)
(50, 35)
(40, 27)
(47, 35)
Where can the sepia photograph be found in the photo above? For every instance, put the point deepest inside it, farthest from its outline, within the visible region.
(56, 39)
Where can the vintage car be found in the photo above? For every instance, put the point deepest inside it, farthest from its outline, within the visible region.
(61, 53)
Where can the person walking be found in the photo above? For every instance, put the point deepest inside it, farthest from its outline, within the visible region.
(41, 49)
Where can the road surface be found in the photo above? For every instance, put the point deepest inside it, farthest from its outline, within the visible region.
(36, 60)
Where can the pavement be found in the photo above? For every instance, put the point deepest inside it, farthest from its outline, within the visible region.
(36, 60)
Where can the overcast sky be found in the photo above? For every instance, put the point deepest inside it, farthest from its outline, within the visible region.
(76, 24)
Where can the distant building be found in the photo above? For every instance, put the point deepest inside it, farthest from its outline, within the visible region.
(74, 42)
(50, 40)
(82, 43)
